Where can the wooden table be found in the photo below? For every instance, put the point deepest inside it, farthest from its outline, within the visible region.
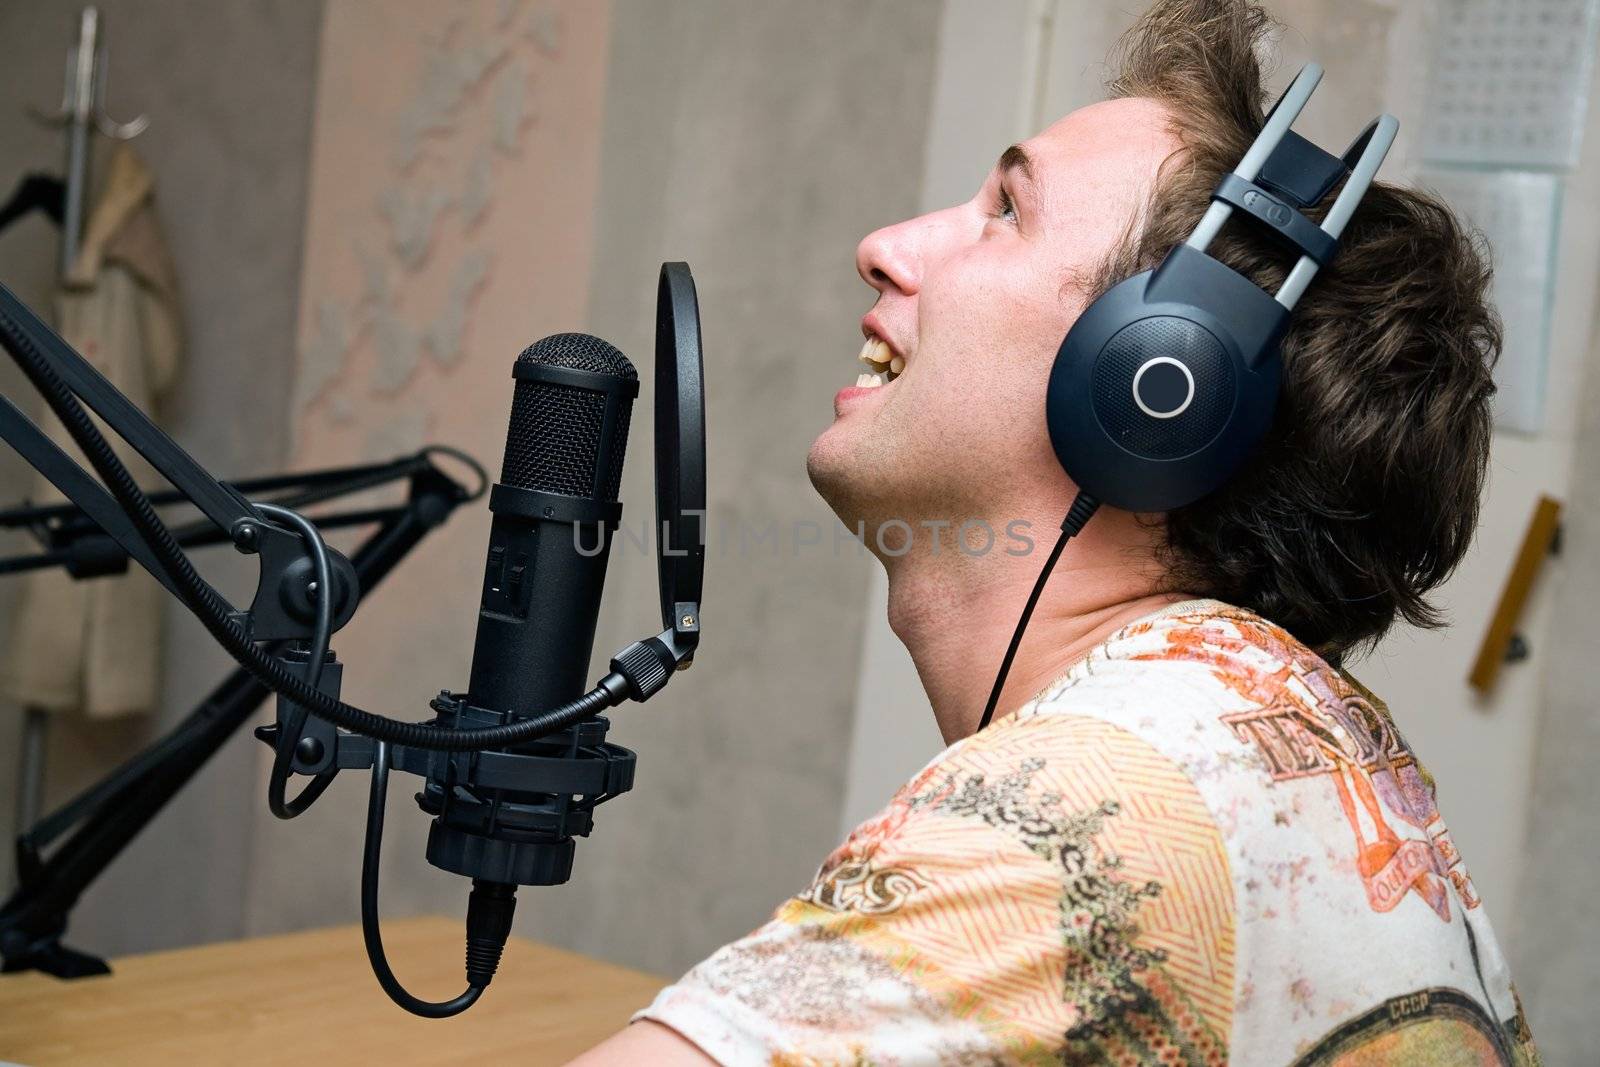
(310, 998)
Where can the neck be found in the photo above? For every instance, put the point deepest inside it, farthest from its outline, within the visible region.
(956, 613)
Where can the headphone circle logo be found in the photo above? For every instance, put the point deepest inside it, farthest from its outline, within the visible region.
(1164, 388)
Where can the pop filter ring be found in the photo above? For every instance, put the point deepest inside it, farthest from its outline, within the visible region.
(680, 454)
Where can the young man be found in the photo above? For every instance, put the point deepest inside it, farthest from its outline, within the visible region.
(1187, 837)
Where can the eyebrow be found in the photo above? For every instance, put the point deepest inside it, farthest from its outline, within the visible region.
(1016, 158)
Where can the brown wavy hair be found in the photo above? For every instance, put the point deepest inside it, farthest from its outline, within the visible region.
(1364, 495)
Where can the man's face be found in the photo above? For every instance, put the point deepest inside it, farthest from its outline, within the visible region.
(976, 299)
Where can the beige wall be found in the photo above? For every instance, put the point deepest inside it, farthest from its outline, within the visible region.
(759, 142)
(454, 161)
(1556, 935)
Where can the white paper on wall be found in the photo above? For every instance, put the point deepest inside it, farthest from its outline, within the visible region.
(1509, 81)
(1517, 211)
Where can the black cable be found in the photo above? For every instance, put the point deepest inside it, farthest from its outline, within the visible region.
(461, 457)
(208, 607)
(289, 731)
(1083, 508)
(372, 848)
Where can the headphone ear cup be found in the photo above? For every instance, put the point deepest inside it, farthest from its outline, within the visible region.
(1151, 406)
(1163, 388)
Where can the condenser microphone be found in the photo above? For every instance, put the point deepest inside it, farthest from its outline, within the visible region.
(555, 509)
(510, 816)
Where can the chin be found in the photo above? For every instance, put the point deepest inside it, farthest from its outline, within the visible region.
(828, 464)
(839, 476)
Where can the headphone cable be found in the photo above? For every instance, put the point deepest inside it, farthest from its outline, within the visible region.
(1083, 508)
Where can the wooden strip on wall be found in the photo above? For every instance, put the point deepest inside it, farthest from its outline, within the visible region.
(1535, 550)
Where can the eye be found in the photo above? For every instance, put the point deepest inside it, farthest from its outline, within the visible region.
(1005, 209)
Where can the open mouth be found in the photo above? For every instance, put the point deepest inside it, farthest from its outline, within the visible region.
(883, 366)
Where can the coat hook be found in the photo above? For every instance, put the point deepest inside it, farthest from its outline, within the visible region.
(83, 111)
(108, 126)
(83, 94)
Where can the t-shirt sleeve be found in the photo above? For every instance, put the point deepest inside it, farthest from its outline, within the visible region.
(1050, 888)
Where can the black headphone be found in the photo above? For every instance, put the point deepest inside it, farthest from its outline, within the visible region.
(1167, 382)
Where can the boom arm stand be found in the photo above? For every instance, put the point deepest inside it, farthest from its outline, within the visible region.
(100, 822)
(503, 818)
(94, 536)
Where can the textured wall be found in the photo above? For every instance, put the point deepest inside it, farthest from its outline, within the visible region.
(454, 161)
(228, 88)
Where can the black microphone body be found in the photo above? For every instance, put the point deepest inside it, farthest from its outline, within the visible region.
(541, 600)
(555, 509)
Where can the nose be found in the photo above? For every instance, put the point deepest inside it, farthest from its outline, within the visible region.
(896, 258)
(888, 261)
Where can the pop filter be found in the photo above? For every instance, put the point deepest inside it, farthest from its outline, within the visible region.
(680, 455)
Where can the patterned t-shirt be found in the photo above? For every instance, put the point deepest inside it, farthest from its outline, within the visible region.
(1202, 844)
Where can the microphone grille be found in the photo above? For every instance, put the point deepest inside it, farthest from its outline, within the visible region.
(557, 442)
(578, 351)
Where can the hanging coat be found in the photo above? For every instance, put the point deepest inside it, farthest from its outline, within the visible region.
(95, 645)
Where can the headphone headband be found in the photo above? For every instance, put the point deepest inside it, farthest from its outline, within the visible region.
(1369, 149)
(1279, 120)
(1373, 145)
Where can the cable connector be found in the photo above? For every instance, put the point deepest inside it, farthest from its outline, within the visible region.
(646, 665)
(1078, 515)
(490, 908)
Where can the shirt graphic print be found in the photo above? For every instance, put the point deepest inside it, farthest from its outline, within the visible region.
(1201, 845)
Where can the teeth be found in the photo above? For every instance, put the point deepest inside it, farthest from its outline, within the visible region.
(884, 365)
(875, 354)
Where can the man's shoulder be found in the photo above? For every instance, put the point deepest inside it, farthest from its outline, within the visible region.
(1198, 655)
(1189, 682)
